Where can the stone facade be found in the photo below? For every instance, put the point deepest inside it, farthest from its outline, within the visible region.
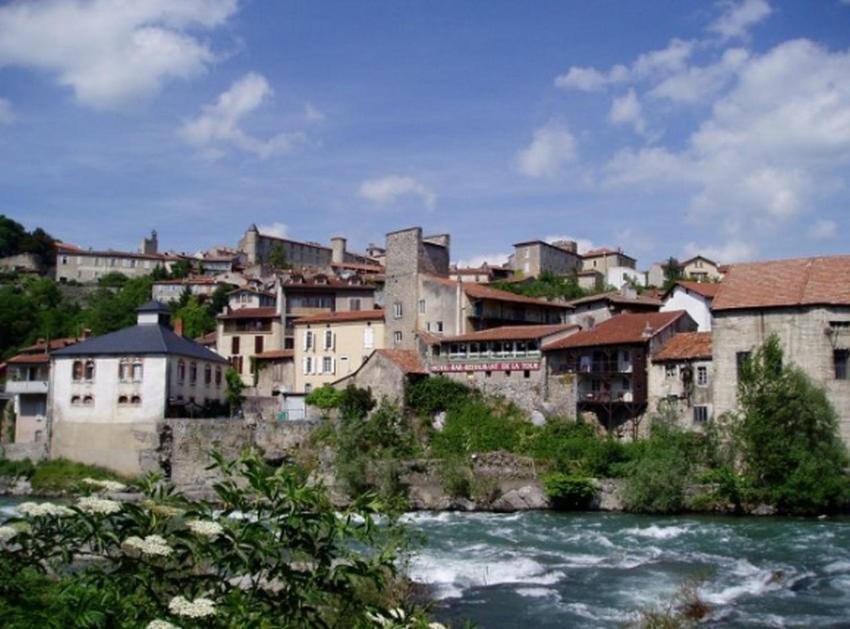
(679, 390)
(535, 257)
(810, 338)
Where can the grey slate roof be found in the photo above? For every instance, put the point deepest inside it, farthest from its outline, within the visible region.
(154, 306)
(140, 340)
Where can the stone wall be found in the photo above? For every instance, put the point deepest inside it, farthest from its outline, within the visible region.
(35, 452)
(381, 376)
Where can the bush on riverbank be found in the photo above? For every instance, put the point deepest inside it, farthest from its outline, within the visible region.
(55, 475)
(569, 492)
(298, 561)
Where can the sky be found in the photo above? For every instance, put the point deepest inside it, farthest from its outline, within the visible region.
(667, 128)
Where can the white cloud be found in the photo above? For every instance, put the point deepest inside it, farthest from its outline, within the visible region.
(7, 116)
(278, 230)
(627, 110)
(822, 229)
(389, 189)
(111, 53)
(583, 244)
(773, 144)
(651, 64)
(311, 114)
(551, 147)
(739, 17)
(218, 124)
(492, 259)
(695, 84)
(732, 251)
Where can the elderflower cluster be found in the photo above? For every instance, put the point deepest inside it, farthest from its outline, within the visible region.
(150, 545)
(35, 509)
(199, 608)
(105, 485)
(100, 506)
(161, 624)
(7, 533)
(397, 618)
(205, 528)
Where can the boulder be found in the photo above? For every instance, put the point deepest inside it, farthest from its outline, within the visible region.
(525, 498)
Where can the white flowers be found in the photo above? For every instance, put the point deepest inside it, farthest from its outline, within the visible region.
(397, 618)
(205, 528)
(36, 510)
(151, 545)
(7, 533)
(199, 608)
(160, 624)
(100, 506)
(105, 485)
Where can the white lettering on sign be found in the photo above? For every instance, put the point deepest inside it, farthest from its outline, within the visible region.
(529, 365)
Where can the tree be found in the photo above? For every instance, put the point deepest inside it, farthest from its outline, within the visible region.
(324, 398)
(233, 390)
(277, 258)
(547, 285)
(218, 300)
(788, 433)
(180, 269)
(197, 320)
(113, 279)
(672, 273)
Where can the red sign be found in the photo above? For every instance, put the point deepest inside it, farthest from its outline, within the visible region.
(525, 365)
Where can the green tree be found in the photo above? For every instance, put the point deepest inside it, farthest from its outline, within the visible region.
(788, 434)
(180, 269)
(108, 310)
(114, 279)
(672, 273)
(11, 234)
(196, 318)
(547, 285)
(218, 300)
(277, 258)
(233, 390)
(325, 398)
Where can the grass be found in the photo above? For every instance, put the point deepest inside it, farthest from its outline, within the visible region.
(55, 475)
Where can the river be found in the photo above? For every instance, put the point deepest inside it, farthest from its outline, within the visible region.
(544, 569)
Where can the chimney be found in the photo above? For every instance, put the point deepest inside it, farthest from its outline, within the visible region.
(87, 333)
(338, 244)
(647, 331)
(178, 326)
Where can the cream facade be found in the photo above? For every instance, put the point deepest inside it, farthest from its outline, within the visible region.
(328, 348)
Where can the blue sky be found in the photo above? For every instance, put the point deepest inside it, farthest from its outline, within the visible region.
(667, 128)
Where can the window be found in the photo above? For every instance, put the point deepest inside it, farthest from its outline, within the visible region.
(88, 400)
(181, 371)
(124, 370)
(329, 339)
(308, 365)
(123, 399)
(741, 359)
(488, 374)
(422, 306)
(354, 304)
(840, 359)
(700, 414)
(89, 370)
(193, 373)
(75, 400)
(669, 371)
(507, 374)
(327, 364)
(397, 310)
(526, 374)
(308, 340)
(234, 345)
(236, 363)
(207, 374)
(397, 337)
(137, 370)
(78, 370)
(136, 400)
(368, 337)
(702, 376)
(308, 388)
(218, 376)
(258, 344)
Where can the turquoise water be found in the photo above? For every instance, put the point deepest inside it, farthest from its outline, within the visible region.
(595, 570)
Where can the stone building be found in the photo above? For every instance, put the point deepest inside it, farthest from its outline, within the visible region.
(603, 259)
(508, 361)
(610, 364)
(28, 382)
(386, 373)
(806, 303)
(333, 345)
(108, 393)
(593, 309)
(168, 291)
(483, 274)
(244, 333)
(533, 257)
(258, 247)
(680, 380)
(693, 297)
(87, 265)
(701, 269)
(275, 372)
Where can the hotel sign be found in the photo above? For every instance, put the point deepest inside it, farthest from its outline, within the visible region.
(502, 365)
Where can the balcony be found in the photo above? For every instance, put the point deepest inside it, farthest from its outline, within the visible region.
(26, 386)
(606, 397)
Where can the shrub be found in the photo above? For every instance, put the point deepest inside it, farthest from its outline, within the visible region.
(57, 475)
(355, 403)
(298, 562)
(455, 476)
(436, 394)
(478, 425)
(656, 483)
(569, 492)
(484, 489)
(15, 469)
(324, 398)
(575, 448)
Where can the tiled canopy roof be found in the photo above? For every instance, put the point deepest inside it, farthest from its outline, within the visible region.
(343, 317)
(479, 291)
(616, 297)
(511, 333)
(275, 354)
(623, 329)
(784, 283)
(251, 313)
(407, 360)
(685, 346)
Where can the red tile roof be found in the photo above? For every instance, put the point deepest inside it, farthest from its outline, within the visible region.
(250, 313)
(275, 354)
(207, 339)
(706, 289)
(358, 266)
(343, 317)
(512, 333)
(480, 291)
(685, 346)
(615, 297)
(782, 283)
(29, 359)
(619, 330)
(201, 279)
(604, 251)
(407, 360)
(54, 344)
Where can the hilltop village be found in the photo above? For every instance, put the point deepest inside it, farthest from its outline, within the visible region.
(615, 347)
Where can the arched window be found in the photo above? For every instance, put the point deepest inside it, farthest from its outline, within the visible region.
(88, 400)
(137, 370)
(193, 372)
(181, 371)
(78, 370)
(218, 376)
(122, 399)
(75, 400)
(207, 374)
(124, 370)
(89, 370)
(136, 400)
